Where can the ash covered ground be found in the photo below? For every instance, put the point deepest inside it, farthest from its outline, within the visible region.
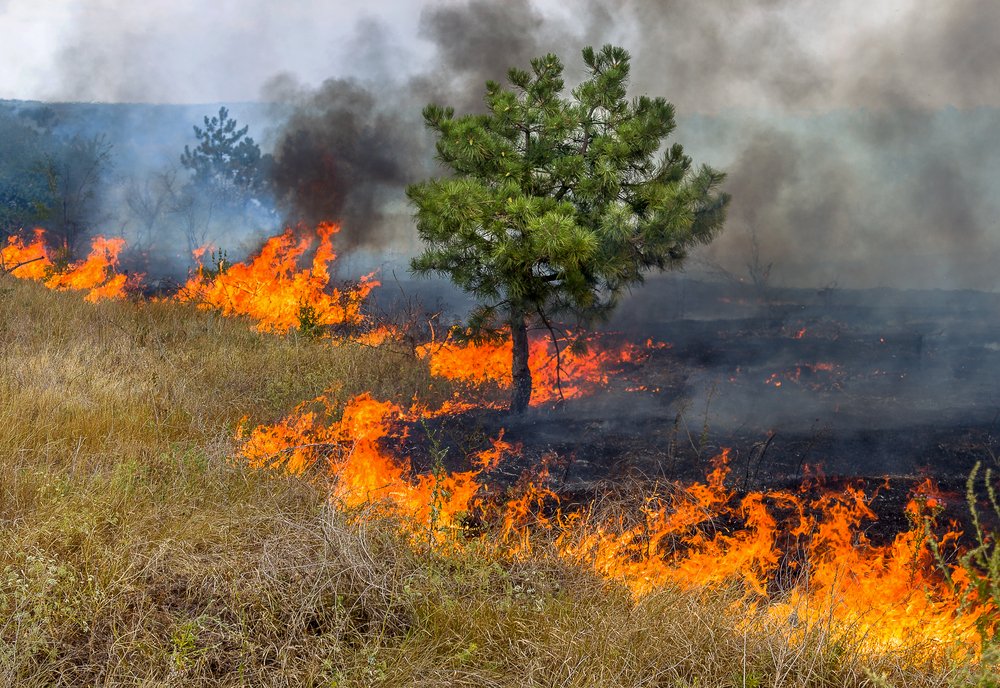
(855, 385)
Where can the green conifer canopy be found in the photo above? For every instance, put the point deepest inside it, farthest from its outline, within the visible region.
(558, 204)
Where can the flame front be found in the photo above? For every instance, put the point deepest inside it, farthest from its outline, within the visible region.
(572, 373)
(803, 561)
(806, 562)
(799, 559)
(351, 449)
(275, 291)
(97, 274)
(27, 261)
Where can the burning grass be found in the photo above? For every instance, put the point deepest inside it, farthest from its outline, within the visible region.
(137, 551)
(273, 290)
(96, 276)
(580, 366)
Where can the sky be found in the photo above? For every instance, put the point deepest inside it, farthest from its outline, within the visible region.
(711, 55)
(181, 51)
(859, 136)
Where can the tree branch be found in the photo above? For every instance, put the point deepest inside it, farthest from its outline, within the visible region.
(5, 270)
(558, 356)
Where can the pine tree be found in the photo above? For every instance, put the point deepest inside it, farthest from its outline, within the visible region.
(229, 182)
(558, 205)
(226, 160)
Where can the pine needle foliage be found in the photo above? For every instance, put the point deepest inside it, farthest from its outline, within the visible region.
(226, 159)
(557, 205)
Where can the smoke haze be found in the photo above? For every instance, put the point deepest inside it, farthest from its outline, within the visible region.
(859, 141)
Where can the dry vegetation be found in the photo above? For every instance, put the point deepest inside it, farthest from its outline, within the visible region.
(133, 553)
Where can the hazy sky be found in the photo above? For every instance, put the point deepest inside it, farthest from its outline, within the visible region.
(706, 55)
(180, 50)
(851, 130)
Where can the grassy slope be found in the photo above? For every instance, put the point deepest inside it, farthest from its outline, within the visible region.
(132, 553)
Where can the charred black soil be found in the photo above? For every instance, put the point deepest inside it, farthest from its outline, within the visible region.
(859, 387)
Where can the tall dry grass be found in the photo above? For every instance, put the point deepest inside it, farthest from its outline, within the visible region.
(132, 553)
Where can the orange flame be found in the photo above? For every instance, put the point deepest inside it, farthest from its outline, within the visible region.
(351, 450)
(272, 289)
(574, 373)
(27, 261)
(891, 594)
(490, 458)
(702, 535)
(97, 274)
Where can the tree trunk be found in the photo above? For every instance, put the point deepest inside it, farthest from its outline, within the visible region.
(520, 391)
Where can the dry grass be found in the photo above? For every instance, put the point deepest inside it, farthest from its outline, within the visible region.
(134, 554)
(126, 376)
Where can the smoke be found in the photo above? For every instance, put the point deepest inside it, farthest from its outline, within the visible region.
(867, 199)
(844, 160)
(342, 155)
(858, 137)
(481, 41)
(852, 164)
(787, 55)
(349, 147)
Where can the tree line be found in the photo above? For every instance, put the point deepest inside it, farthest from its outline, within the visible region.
(70, 184)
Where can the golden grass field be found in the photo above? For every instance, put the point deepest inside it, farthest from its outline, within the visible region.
(134, 552)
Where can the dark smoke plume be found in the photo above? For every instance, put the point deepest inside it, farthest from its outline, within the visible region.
(885, 182)
(349, 147)
(479, 41)
(859, 141)
(341, 156)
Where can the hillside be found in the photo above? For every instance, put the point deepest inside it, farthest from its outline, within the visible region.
(138, 550)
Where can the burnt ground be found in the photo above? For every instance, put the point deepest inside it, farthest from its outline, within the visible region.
(857, 385)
